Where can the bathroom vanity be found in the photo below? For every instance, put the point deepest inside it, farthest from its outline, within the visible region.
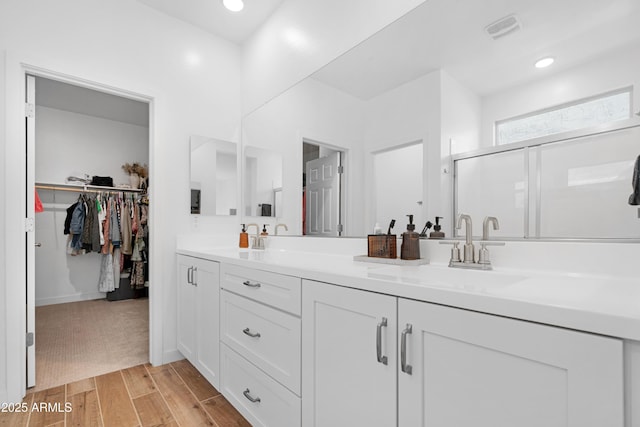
(317, 339)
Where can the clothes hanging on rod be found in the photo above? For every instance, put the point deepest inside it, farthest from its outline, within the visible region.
(113, 224)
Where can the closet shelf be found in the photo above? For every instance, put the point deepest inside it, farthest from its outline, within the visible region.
(84, 188)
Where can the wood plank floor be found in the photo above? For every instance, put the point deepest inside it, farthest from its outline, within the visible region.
(170, 395)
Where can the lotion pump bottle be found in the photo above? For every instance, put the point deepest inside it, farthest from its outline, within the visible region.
(410, 242)
(437, 233)
(244, 237)
(264, 232)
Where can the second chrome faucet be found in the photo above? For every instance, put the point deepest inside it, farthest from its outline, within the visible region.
(468, 258)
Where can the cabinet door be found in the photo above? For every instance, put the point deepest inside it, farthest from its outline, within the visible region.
(473, 369)
(343, 383)
(186, 312)
(206, 277)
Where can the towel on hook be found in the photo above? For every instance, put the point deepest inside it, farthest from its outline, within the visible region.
(634, 198)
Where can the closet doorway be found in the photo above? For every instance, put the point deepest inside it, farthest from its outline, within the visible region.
(87, 284)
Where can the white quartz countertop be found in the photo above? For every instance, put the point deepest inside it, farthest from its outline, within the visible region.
(596, 304)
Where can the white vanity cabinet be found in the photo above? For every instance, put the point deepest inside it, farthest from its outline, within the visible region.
(474, 369)
(448, 367)
(260, 345)
(347, 379)
(198, 302)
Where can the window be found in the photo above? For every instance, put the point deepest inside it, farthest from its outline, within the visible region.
(601, 109)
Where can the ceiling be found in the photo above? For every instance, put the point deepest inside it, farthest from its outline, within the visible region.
(449, 35)
(76, 99)
(213, 17)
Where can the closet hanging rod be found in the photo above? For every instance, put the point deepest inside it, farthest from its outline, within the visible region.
(85, 188)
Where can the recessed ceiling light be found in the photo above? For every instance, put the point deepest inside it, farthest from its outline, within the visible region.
(233, 5)
(544, 62)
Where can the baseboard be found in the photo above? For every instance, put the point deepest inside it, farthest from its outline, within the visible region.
(70, 298)
(171, 356)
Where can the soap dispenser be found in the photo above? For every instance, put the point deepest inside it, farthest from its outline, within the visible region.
(244, 237)
(436, 233)
(264, 232)
(410, 242)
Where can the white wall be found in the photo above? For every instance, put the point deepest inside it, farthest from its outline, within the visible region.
(194, 80)
(314, 111)
(68, 143)
(304, 35)
(3, 260)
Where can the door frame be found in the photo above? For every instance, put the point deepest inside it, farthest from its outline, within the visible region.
(16, 70)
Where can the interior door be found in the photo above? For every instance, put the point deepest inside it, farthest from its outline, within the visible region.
(30, 123)
(323, 196)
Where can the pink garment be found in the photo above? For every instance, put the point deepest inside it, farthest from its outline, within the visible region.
(39, 208)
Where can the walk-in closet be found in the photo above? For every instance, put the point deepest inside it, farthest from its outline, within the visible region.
(91, 262)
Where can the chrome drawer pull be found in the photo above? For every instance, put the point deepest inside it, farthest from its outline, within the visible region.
(248, 396)
(251, 285)
(407, 369)
(247, 331)
(381, 359)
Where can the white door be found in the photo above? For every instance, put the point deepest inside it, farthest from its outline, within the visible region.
(30, 121)
(186, 308)
(347, 378)
(323, 195)
(206, 278)
(473, 369)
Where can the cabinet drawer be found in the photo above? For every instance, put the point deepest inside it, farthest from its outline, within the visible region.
(243, 384)
(277, 290)
(267, 337)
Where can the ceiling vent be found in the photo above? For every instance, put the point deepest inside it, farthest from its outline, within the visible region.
(503, 26)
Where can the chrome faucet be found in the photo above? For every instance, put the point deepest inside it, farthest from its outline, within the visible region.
(469, 251)
(281, 225)
(485, 226)
(468, 260)
(257, 241)
(483, 255)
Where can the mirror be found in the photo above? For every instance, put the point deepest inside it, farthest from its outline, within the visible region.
(397, 185)
(419, 80)
(214, 176)
(262, 186)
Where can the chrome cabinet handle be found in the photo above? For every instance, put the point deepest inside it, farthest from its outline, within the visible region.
(407, 369)
(38, 245)
(247, 394)
(251, 285)
(194, 278)
(381, 359)
(190, 275)
(247, 331)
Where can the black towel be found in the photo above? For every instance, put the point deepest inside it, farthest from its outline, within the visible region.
(634, 198)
